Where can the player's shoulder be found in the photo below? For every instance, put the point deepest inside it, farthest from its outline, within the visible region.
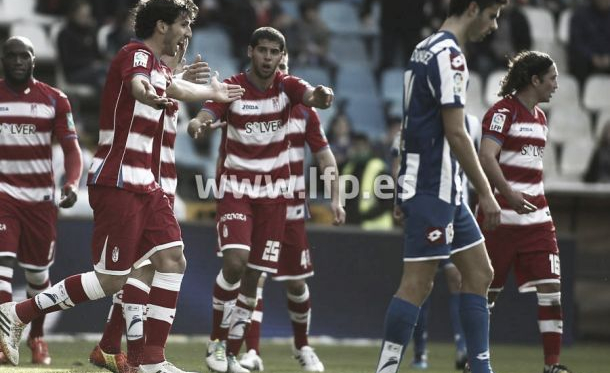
(442, 41)
(49, 90)
(505, 105)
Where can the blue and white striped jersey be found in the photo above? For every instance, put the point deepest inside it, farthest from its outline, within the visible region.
(436, 77)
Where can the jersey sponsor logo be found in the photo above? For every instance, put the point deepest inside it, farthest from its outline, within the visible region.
(263, 127)
(497, 122)
(457, 61)
(3, 108)
(17, 129)
(421, 56)
(532, 150)
(233, 216)
(249, 107)
(140, 59)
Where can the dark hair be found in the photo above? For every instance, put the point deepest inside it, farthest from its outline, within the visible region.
(267, 33)
(521, 68)
(148, 12)
(458, 7)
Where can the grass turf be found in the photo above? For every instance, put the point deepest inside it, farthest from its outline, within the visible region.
(583, 358)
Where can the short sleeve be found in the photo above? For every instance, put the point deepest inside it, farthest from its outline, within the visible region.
(136, 61)
(295, 88)
(314, 133)
(452, 78)
(497, 122)
(63, 123)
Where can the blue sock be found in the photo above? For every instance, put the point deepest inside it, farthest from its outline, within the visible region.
(475, 321)
(420, 333)
(400, 320)
(456, 323)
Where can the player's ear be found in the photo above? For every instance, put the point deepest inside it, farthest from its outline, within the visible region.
(473, 9)
(161, 26)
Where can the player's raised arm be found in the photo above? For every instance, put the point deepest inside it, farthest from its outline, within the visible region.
(462, 148)
(183, 90)
(144, 92)
(320, 97)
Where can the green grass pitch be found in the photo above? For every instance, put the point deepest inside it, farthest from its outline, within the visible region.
(581, 358)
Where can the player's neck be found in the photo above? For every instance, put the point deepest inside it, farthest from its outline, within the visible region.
(527, 99)
(457, 27)
(17, 87)
(155, 46)
(258, 82)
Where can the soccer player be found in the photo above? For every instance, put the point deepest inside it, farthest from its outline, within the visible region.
(295, 264)
(130, 209)
(133, 297)
(434, 144)
(31, 114)
(514, 137)
(255, 179)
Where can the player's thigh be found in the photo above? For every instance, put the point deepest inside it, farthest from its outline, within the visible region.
(502, 246)
(118, 224)
(38, 234)
(540, 264)
(466, 231)
(235, 222)
(267, 236)
(428, 228)
(295, 257)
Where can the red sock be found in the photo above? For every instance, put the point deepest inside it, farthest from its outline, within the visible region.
(28, 310)
(253, 334)
(299, 308)
(224, 296)
(161, 312)
(6, 287)
(135, 293)
(115, 324)
(551, 324)
(240, 320)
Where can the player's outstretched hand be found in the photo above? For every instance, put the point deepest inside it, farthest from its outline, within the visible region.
(338, 213)
(491, 211)
(151, 98)
(323, 97)
(224, 92)
(196, 127)
(198, 72)
(519, 202)
(68, 196)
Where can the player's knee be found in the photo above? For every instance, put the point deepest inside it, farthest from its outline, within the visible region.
(7, 261)
(296, 287)
(169, 260)
(110, 284)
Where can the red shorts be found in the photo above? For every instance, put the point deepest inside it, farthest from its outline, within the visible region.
(256, 227)
(532, 250)
(27, 232)
(130, 227)
(295, 261)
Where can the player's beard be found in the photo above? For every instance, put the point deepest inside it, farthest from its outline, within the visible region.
(261, 74)
(14, 80)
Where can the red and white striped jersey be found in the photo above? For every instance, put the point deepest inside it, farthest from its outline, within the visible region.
(522, 136)
(163, 155)
(28, 121)
(127, 126)
(303, 127)
(256, 162)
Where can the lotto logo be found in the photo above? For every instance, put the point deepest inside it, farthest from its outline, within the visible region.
(435, 235)
(457, 62)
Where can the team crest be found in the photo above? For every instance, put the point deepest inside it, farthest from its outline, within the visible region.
(33, 109)
(497, 122)
(115, 254)
(140, 59)
(276, 103)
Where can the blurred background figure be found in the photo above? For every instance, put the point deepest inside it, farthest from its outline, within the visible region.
(599, 167)
(339, 137)
(589, 48)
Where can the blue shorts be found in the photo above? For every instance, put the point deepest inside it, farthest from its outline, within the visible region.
(435, 229)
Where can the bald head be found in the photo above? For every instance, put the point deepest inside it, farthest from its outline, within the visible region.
(18, 60)
(21, 41)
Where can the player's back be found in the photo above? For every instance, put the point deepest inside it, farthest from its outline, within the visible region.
(28, 121)
(435, 78)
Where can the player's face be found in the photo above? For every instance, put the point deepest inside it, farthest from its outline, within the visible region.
(547, 85)
(484, 23)
(17, 62)
(177, 35)
(265, 57)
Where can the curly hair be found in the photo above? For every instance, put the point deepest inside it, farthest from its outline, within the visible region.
(148, 12)
(521, 68)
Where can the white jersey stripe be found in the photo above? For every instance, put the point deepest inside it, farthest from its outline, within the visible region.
(264, 165)
(137, 175)
(106, 137)
(167, 155)
(511, 217)
(531, 189)
(511, 158)
(27, 110)
(258, 107)
(267, 138)
(30, 166)
(169, 185)
(146, 112)
(298, 182)
(27, 194)
(444, 191)
(139, 142)
(531, 130)
(34, 139)
(296, 154)
(297, 126)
